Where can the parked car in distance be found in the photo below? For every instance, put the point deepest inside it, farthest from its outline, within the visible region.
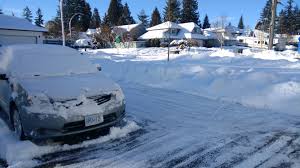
(49, 91)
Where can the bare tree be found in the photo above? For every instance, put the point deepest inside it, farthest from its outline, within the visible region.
(219, 26)
(104, 38)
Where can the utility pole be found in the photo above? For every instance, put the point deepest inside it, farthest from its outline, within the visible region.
(272, 24)
(62, 23)
(169, 32)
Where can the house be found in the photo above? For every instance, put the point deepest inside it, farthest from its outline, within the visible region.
(227, 35)
(169, 31)
(132, 32)
(14, 30)
(126, 36)
(260, 39)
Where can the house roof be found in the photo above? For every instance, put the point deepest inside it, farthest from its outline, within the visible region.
(159, 31)
(127, 27)
(233, 29)
(259, 33)
(189, 26)
(15, 23)
(187, 31)
(165, 25)
(155, 34)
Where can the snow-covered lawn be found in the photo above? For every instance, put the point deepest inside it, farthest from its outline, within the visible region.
(259, 78)
(204, 108)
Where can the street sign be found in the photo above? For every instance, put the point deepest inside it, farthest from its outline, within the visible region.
(118, 40)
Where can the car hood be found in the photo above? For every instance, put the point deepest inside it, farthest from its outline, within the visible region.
(70, 86)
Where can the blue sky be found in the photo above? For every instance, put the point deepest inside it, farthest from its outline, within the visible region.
(233, 9)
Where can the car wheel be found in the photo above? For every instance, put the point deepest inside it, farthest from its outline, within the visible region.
(17, 124)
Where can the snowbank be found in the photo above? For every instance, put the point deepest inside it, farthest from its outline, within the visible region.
(251, 78)
(223, 53)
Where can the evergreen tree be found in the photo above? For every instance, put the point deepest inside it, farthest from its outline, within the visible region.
(190, 11)
(105, 21)
(39, 21)
(114, 12)
(126, 17)
(281, 25)
(85, 20)
(297, 11)
(1, 11)
(27, 14)
(241, 23)
(265, 17)
(143, 18)
(206, 23)
(71, 7)
(95, 20)
(290, 17)
(155, 18)
(172, 11)
(54, 29)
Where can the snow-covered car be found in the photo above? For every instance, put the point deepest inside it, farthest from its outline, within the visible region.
(84, 43)
(49, 91)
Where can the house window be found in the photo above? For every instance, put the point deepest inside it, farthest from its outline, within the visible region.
(197, 30)
(174, 32)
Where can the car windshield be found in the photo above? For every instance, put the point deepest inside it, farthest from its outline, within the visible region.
(43, 60)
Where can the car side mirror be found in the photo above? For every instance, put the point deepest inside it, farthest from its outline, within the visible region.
(3, 77)
(99, 68)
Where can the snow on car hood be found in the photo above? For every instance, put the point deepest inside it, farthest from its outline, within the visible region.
(69, 87)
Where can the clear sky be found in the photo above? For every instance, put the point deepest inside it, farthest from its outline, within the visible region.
(233, 9)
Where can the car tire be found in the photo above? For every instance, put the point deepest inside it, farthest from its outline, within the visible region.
(17, 124)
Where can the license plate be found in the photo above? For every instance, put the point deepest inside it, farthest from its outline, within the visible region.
(93, 120)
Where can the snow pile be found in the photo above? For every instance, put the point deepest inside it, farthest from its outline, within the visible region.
(26, 150)
(223, 53)
(213, 73)
(115, 133)
(273, 55)
(285, 95)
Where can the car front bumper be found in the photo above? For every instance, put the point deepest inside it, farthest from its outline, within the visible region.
(51, 126)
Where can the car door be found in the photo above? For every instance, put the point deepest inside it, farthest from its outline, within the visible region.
(5, 95)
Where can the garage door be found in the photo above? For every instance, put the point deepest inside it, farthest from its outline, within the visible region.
(8, 40)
